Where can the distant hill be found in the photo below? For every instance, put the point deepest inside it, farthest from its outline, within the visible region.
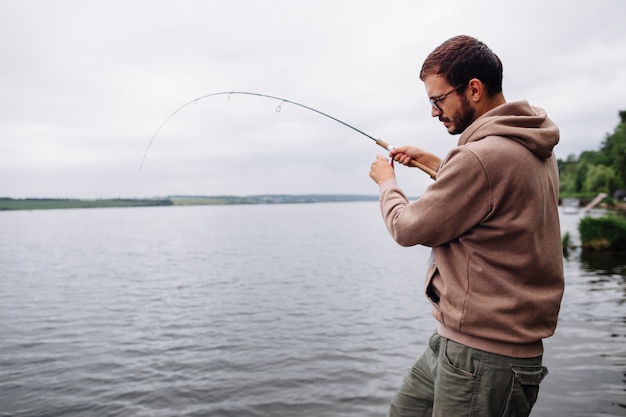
(270, 199)
(179, 200)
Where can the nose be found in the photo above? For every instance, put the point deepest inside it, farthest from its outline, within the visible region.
(435, 112)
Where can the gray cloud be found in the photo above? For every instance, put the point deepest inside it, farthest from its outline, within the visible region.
(84, 85)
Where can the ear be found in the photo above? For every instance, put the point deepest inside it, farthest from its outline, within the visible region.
(476, 89)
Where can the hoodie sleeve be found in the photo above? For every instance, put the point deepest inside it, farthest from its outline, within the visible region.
(458, 200)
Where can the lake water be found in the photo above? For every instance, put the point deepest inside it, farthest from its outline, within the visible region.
(263, 310)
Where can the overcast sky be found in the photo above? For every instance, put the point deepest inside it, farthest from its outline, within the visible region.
(84, 85)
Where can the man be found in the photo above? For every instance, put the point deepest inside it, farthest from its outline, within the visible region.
(496, 278)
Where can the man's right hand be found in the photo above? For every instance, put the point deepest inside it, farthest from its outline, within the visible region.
(404, 155)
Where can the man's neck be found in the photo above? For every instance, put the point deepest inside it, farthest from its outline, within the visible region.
(489, 103)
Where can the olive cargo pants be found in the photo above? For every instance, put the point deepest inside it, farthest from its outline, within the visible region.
(453, 380)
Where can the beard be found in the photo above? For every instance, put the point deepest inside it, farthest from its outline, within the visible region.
(461, 119)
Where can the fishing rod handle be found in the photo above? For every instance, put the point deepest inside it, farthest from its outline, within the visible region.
(413, 162)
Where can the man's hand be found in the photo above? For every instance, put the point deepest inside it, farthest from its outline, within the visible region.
(381, 170)
(404, 155)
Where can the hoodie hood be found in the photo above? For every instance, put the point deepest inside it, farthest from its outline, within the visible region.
(518, 121)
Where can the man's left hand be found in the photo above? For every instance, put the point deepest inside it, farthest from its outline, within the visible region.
(381, 170)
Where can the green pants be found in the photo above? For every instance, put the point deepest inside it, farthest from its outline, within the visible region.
(454, 380)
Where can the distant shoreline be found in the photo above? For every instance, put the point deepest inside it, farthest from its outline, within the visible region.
(72, 203)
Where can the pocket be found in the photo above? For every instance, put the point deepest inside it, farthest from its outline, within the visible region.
(524, 390)
(461, 359)
(431, 294)
(456, 381)
(428, 290)
(530, 375)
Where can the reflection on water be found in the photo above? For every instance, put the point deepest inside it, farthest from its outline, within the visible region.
(600, 263)
(587, 355)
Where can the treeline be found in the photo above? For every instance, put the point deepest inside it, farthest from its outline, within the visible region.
(68, 203)
(71, 203)
(598, 171)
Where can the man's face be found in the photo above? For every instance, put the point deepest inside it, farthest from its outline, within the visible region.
(454, 110)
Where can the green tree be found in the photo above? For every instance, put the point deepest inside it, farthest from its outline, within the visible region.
(603, 170)
(593, 158)
(614, 149)
(567, 175)
(600, 178)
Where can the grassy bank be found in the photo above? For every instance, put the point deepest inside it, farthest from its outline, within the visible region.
(607, 233)
(69, 203)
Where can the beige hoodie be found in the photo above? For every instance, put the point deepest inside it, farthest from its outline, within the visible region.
(491, 218)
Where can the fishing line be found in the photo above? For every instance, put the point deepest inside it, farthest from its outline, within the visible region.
(278, 108)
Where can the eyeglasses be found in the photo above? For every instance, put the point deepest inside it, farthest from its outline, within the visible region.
(434, 101)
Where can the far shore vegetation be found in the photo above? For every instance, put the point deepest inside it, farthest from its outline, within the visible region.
(592, 173)
(69, 203)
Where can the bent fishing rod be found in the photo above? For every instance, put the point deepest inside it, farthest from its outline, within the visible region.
(379, 142)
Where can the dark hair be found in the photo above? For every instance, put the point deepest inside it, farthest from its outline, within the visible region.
(461, 58)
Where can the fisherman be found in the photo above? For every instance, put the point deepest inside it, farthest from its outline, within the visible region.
(495, 279)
